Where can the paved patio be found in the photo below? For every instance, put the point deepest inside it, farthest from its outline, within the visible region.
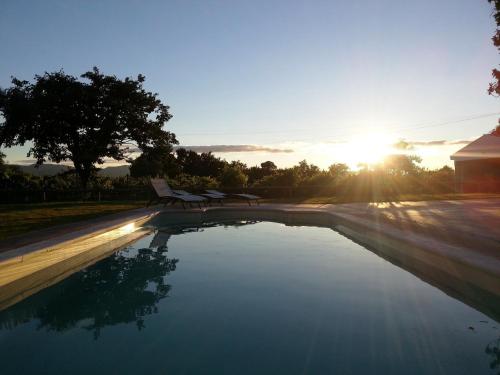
(472, 224)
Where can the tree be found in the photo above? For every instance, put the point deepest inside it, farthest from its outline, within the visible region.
(494, 88)
(204, 164)
(288, 177)
(255, 173)
(233, 176)
(238, 164)
(306, 170)
(85, 121)
(338, 170)
(400, 164)
(268, 167)
(158, 161)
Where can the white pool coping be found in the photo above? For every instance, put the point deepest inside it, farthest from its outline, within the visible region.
(72, 236)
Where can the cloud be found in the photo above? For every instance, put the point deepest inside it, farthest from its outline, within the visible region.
(236, 148)
(439, 143)
(410, 145)
(403, 145)
(24, 161)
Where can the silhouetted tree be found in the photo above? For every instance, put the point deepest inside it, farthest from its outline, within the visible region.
(269, 167)
(494, 88)
(338, 170)
(306, 170)
(204, 164)
(157, 161)
(439, 180)
(84, 121)
(401, 164)
(288, 177)
(266, 168)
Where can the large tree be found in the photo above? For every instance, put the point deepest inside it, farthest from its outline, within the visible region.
(84, 120)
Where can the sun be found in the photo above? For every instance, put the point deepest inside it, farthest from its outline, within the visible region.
(369, 149)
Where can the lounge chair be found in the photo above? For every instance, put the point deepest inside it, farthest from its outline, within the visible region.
(166, 195)
(248, 197)
(211, 197)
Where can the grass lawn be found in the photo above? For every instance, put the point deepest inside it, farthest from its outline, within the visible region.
(16, 219)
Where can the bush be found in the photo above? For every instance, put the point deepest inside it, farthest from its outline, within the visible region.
(320, 179)
(284, 177)
(189, 182)
(233, 176)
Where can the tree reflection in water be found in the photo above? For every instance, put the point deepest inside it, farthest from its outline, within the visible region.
(493, 350)
(123, 288)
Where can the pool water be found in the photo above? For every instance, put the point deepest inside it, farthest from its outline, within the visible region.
(245, 298)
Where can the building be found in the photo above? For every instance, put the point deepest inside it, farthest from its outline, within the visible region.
(477, 165)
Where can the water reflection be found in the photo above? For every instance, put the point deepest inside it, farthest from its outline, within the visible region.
(493, 350)
(123, 288)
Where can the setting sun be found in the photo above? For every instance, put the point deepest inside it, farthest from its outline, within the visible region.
(370, 149)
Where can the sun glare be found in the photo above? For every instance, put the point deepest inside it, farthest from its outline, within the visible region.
(370, 149)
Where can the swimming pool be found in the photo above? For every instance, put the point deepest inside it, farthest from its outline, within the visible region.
(245, 297)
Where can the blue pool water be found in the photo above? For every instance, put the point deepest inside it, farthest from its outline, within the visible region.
(248, 298)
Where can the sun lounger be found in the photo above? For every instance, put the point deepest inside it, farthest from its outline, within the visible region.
(248, 197)
(211, 197)
(166, 195)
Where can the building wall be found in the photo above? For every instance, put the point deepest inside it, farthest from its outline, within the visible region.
(477, 176)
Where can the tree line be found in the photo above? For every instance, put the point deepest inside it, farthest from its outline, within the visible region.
(396, 174)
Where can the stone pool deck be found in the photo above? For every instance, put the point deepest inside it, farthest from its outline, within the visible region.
(70, 231)
(470, 224)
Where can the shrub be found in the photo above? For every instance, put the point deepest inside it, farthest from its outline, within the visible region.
(233, 176)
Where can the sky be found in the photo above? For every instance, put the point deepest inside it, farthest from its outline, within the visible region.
(327, 81)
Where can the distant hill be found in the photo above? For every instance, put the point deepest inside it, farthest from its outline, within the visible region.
(119, 171)
(44, 169)
(53, 169)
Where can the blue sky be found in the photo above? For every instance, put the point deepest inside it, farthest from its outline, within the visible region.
(301, 75)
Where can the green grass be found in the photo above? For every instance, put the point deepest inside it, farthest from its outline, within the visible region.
(16, 219)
